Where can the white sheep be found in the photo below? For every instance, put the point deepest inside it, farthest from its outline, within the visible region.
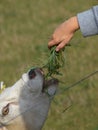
(25, 105)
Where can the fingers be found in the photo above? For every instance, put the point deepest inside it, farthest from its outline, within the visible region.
(61, 45)
(51, 43)
(54, 41)
(3, 128)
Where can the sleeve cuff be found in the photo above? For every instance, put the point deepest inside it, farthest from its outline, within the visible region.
(87, 23)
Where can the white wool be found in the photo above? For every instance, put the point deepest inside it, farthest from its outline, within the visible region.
(28, 105)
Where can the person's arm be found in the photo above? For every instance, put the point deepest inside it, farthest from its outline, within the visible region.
(87, 22)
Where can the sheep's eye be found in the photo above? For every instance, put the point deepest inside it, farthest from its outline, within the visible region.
(5, 110)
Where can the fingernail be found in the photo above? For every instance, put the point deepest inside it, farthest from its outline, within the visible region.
(57, 49)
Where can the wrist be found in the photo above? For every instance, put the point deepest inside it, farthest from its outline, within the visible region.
(74, 23)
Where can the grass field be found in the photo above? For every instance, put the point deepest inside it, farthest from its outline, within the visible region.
(25, 28)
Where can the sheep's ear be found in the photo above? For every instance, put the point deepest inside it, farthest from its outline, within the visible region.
(3, 128)
(2, 86)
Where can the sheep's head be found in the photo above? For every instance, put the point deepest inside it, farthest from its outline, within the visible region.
(25, 105)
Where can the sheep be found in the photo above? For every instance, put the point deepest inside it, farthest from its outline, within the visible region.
(25, 105)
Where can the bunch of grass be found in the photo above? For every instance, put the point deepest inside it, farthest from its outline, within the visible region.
(54, 63)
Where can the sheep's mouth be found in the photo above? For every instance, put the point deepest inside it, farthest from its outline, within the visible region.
(49, 83)
(46, 83)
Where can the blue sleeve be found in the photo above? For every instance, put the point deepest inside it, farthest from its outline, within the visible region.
(88, 21)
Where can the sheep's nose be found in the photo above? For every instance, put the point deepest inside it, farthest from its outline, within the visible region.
(32, 74)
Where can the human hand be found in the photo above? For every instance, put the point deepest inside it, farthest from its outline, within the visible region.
(64, 33)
